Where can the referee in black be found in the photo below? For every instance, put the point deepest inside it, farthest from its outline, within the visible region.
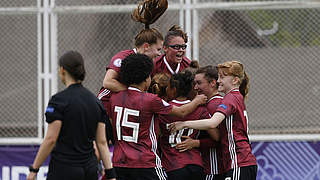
(76, 118)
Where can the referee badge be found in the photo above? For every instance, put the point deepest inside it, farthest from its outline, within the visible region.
(50, 109)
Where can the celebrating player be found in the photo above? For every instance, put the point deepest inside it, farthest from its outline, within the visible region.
(133, 119)
(238, 161)
(188, 164)
(148, 41)
(174, 46)
(206, 83)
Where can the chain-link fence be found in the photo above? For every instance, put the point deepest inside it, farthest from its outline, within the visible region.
(279, 48)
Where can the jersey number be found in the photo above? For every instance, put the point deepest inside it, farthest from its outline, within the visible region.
(246, 116)
(175, 137)
(125, 123)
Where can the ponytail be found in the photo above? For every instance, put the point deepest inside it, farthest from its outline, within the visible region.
(159, 84)
(147, 13)
(244, 86)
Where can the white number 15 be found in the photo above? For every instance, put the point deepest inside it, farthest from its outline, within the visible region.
(125, 123)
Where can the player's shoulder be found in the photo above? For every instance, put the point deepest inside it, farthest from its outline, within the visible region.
(117, 58)
(104, 93)
(202, 109)
(234, 94)
(186, 60)
(159, 59)
(215, 99)
(124, 53)
(150, 96)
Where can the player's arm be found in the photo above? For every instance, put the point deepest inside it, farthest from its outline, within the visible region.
(186, 109)
(206, 143)
(46, 147)
(187, 144)
(104, 152)
(214, 134)
(203, 124)
(110, 81)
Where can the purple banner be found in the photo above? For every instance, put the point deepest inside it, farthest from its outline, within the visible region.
(287, 160)
(15, 161)
(276, 161)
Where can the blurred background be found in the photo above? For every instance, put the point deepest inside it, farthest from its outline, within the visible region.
(277, 41)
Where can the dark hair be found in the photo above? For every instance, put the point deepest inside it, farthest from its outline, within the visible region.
(210, 73)
(175, 31)
(159, 84)
(193, 67)
(73, 63)
(147, 13)
(135, 68)
(182, 82)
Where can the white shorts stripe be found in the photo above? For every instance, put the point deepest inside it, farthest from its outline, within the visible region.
(232, 148)
(160, 173)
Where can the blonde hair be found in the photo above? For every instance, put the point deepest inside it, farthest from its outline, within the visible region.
(235, 68)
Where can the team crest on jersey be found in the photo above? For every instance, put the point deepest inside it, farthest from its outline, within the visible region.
(223, 106)
(50, 109)
(117, 62)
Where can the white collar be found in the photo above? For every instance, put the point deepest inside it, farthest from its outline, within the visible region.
(181, 102)
(135, 50)
(168, 66)
(134, 89)
(235, 90)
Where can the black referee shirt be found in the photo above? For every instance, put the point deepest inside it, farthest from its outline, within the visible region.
(80, 111)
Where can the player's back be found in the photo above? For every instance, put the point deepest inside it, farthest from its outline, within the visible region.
(171, 158)
(134, 128)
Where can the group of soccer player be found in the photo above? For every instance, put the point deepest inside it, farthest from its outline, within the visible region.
(169, 120)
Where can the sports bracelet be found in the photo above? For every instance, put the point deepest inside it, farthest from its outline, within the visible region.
(31, 169)
(110, 173)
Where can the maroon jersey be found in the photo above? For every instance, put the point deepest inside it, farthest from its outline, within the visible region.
(116, 60)
(208, 147)
(235, 145)
(172, 159)
(115, 64)
(161, 65)
(134, 127)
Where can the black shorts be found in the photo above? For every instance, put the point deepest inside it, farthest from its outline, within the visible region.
(242, 173)
(64, 171)
(140, 173)
(189, 172)
(214, 177)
